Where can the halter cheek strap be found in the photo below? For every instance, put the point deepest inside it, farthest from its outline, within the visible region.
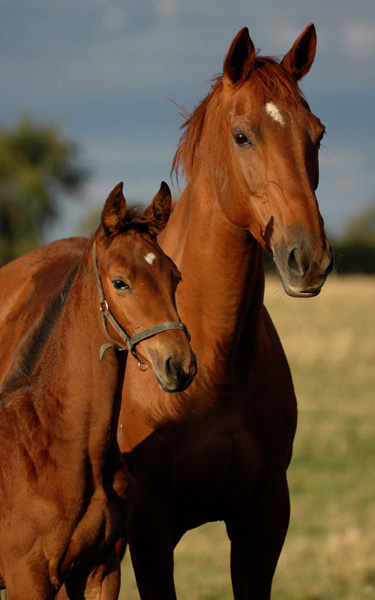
(130, 341)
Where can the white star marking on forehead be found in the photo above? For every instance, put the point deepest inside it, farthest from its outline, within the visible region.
(150, 257)
(274, 112)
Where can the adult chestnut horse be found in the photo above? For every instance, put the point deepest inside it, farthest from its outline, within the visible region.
(64, 493)
(220, 450)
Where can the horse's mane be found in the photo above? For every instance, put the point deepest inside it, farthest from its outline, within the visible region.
(269, 81)
(36, 344)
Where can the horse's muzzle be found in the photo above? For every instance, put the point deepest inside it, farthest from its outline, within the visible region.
(302, 270)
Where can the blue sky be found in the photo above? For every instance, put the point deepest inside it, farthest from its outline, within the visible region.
(104, 71)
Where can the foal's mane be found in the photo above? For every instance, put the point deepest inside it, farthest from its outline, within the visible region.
(36, 344)
(268, 80)
(137, 219)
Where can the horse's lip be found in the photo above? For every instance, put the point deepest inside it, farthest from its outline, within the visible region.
(295, 292)
(301, 293)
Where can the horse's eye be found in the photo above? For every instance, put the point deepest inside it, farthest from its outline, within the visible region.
(321, 137)
(241, 139)
(119, 284)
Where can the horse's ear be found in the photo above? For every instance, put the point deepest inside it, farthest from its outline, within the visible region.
(114, 210)
(301, 56)
(240, 58)
(160, 207)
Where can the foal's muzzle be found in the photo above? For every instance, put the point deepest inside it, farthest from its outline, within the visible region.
(174, 373)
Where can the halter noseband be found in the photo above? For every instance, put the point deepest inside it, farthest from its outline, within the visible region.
(132, 341)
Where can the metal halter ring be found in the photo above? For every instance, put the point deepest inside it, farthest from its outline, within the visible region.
(140, 364)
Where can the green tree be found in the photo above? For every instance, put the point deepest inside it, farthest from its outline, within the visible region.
(355, 249)
(36, 165)
(90, 222)
(361, 228)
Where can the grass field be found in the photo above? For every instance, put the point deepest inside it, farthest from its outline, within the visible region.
(330, 548)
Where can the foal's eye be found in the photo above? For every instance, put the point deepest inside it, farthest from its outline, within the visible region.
(241, 139)
(120, 284)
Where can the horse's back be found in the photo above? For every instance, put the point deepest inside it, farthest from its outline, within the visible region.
(28, 285)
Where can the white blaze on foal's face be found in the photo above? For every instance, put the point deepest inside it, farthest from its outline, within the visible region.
(274, 112)
(150, 257)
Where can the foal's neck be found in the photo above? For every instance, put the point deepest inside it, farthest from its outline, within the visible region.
(76, 388)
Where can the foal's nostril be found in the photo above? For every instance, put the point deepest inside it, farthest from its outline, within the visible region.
(172, 368)
(295, 264)
(176, 371)
(175, 374)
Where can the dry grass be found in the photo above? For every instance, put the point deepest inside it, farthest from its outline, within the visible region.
(330, 549)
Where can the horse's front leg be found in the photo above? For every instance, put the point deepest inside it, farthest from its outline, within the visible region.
(152, 538)
(101, 583)
(257, 538)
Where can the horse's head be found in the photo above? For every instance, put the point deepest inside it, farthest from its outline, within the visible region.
(139, 283)
(262, 144)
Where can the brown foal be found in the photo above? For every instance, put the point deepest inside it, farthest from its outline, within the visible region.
(64, 488)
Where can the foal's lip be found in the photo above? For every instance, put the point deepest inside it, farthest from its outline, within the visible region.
(175, 388)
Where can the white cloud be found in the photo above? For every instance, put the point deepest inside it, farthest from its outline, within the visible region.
(346, 168)
(359, 38)
(114, 18)
(166, 7)
(342, 159)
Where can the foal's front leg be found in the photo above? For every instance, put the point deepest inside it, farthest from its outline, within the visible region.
(101, 583)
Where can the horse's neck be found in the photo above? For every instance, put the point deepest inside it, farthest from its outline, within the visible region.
(220, 298)
(76, 391)
(222, 286)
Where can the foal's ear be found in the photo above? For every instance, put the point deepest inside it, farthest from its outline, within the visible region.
(240, 58)
(301, 56)
(114, 210)
(160, 207)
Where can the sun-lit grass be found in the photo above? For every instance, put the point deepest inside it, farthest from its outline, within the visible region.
(330, 548)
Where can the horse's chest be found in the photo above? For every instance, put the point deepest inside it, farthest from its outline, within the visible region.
(213, 465)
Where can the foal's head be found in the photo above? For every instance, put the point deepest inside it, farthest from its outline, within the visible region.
(259, 142)
(139, 283)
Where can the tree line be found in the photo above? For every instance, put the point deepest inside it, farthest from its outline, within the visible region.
(355, 249)
(36, 165)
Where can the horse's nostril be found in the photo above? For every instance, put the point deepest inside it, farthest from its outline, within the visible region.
(331, 263)
(295, 264)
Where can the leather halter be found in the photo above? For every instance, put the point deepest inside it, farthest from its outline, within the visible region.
(130, 341)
